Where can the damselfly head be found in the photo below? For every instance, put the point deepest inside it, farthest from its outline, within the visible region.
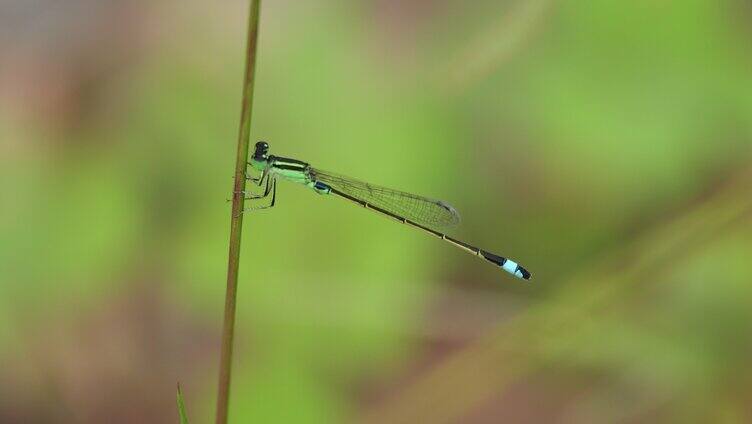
(262, 148)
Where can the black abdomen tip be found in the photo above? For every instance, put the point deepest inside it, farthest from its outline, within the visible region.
(525, 274)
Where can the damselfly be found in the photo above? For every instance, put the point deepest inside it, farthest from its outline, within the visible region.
(416, 211)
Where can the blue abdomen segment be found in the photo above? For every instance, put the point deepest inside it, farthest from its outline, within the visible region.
(321, 188)
(515, 269)
(507, 265)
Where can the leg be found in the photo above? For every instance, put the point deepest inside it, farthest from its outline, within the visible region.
(266, 190)
(270, 182)
(271, 189)
(255, 208)
(274, 192)
(259, 181)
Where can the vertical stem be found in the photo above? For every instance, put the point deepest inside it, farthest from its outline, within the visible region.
(236, 226)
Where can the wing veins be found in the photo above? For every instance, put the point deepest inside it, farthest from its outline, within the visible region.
(422, 210)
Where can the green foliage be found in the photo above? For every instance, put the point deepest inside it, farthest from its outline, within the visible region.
(606, 151)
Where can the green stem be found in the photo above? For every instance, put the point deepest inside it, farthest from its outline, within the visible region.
(181, 407)
(236, 226)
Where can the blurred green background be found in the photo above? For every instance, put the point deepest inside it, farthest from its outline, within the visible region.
(604, 145)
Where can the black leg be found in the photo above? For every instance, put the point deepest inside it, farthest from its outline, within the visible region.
(257, 181)
(267, 189)
(271, 189)
(269, 183)
(274, 192)
(264, 177)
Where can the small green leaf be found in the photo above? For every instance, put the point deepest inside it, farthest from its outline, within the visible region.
(181, 407)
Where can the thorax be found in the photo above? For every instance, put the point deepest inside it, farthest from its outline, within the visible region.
(290, 169)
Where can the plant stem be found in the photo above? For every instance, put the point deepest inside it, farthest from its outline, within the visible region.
(181, 407)
(236, 226)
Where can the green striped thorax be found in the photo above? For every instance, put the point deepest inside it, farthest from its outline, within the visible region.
(287, 168)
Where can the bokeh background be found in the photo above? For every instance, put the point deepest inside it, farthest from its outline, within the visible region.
(604, 145)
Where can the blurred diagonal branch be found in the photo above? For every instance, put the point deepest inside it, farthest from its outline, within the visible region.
(236, 226)
(452, 388)
(496, 44)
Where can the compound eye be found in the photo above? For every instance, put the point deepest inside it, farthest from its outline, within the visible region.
(262, 147)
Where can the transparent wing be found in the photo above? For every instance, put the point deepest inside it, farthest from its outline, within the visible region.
(422, 210)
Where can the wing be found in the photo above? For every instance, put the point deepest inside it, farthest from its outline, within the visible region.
(419, 209)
